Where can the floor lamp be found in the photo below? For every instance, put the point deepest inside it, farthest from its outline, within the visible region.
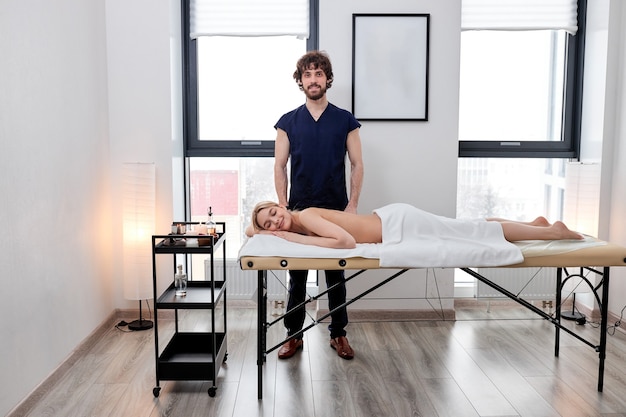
(575, 284)
(573, 315)
(138, 214)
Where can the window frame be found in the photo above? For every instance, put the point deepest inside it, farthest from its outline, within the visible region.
(193, 146)
(569, 145)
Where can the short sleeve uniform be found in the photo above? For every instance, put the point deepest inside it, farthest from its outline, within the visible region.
(318, 153)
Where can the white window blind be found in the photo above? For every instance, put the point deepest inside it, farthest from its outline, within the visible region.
(249, 18)
(519, 15)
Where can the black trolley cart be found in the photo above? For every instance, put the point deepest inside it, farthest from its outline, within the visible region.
(190, 356)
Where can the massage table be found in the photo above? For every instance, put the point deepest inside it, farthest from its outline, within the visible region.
(264, 253)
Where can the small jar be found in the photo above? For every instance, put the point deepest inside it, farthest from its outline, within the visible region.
(180, 282)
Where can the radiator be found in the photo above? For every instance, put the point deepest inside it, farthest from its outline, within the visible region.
(528, 283)
(242, 285)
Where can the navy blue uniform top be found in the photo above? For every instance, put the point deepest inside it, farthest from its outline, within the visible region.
(318, 150)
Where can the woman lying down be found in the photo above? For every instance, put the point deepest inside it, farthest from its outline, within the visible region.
(342, 230)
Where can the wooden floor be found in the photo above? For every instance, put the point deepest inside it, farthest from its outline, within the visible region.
(496, 363)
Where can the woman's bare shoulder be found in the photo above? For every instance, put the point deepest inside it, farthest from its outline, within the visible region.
(334, 216)
(318, 210)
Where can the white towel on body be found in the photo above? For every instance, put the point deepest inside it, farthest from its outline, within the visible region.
(414, 238)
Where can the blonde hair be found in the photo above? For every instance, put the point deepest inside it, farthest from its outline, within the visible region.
(255, 212)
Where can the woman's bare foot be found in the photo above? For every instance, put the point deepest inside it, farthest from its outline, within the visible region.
(563, 232)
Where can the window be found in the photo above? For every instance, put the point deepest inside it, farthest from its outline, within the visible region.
(520, 99)
(247, 88)
(512, 188)
(519, 110)
(521, 84)
(231, 187)
(238, 81)
(238, 71)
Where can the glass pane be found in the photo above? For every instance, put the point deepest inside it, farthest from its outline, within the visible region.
(516, 189)
(512, 85)
(231, 186)
(245, 84)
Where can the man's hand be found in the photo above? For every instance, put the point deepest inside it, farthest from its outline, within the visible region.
(350, 209)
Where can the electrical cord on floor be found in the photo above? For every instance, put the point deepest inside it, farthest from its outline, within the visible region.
(149, 310)
(611, 329)
(121, 324)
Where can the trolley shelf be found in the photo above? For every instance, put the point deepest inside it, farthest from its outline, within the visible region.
(188, 357)
(173, 244)
(198, 296)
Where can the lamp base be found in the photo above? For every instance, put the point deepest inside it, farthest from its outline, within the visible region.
(572, 315)
(140, 325)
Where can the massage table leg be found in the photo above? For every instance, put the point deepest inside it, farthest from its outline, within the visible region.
(604, 312)
(263, 325)
(603, 303)
(261, 330)
(557, 311)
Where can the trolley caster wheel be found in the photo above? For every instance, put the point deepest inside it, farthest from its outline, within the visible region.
(156, 391)
(212, 392)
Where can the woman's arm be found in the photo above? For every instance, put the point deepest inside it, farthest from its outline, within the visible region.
(251, 231)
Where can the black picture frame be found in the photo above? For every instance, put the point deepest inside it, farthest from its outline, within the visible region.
(390, 55)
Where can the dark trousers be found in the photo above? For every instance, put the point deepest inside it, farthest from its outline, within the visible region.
(294, 320)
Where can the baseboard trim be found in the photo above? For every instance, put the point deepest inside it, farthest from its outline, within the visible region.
(362, 316)
(26, 405)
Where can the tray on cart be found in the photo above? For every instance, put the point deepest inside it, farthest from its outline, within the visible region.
(198, 296)
(188, 357)
(178, 243)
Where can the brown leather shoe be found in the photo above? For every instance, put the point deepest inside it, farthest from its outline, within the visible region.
(341, 345)
(289, 348)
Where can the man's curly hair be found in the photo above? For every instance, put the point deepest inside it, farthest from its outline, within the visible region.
(314, 60)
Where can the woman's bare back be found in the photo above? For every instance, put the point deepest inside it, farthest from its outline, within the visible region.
(365, 228)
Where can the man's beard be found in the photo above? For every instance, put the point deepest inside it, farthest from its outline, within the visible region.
(316, 96)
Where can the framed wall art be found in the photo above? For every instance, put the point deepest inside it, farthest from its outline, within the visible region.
(390, 66)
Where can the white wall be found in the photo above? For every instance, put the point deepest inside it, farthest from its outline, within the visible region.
(412, 162)
(587, 180)
(604, 135)
(144, 118)
(614, 193)
(84, 86)
(56, 247)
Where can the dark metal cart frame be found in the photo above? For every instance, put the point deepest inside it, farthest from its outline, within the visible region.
(193, 356)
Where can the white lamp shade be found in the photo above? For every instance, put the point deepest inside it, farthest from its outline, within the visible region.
(138, 219)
